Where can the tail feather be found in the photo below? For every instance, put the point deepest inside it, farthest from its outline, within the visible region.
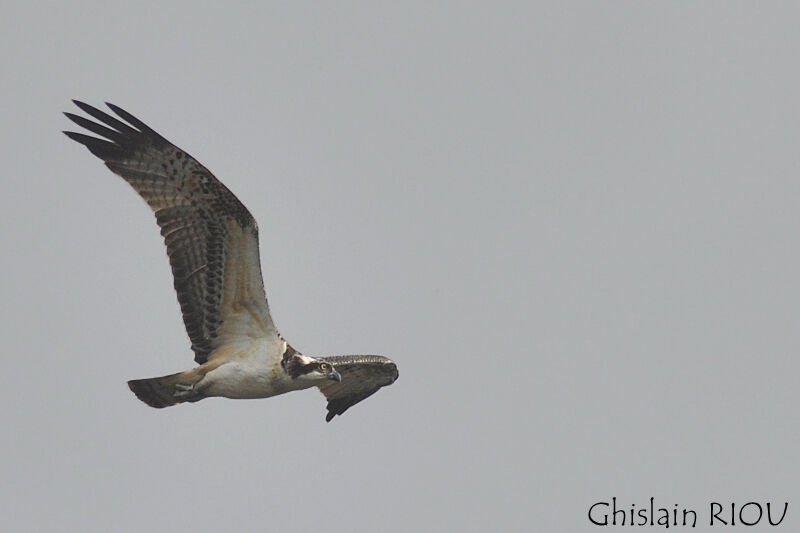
(157, 392)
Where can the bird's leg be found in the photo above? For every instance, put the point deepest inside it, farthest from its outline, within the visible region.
(183, 391)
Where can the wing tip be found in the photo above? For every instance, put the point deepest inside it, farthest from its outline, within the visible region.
(84, 106)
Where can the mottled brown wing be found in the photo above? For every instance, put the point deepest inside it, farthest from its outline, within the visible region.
(362, 376)
(211, 238)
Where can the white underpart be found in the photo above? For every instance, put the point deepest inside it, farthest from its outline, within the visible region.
(252, 370)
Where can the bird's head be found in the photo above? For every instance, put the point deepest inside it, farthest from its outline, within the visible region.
(324, 370)
(311, 369)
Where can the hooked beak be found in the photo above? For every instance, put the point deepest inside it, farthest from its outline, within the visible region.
(334, 375)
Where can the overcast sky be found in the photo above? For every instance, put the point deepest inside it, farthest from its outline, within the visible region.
(573, 226)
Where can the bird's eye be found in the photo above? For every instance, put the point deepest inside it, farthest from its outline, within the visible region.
(323, 366)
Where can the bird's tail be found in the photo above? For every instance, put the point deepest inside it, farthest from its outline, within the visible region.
(159, 392)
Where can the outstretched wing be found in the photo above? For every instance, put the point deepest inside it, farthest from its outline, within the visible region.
(211, 238)
(362, 376)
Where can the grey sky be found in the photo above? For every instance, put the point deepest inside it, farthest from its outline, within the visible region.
(573, 227)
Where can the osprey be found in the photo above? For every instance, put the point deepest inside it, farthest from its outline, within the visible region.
(212, 244)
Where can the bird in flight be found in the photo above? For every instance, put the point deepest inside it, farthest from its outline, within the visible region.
(212, 244)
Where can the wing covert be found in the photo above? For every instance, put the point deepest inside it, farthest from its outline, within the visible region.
(211, 238)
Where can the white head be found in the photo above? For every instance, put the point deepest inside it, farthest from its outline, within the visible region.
(304, 368)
